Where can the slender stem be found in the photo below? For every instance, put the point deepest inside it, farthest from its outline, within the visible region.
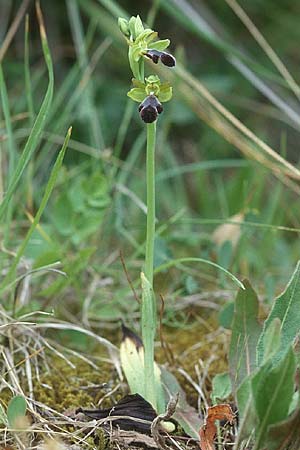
(151, 137)
(148, 299)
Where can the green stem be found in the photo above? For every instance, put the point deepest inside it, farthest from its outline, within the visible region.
(148, 299)
(151, 137)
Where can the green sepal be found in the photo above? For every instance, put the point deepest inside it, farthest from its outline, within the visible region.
(136, 94)
(138, 84)
(161, 45)
(131, 26)
(147, 35)
(138, 26)
(165, 93)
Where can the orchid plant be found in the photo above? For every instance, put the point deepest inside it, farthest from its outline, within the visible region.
(137, 358)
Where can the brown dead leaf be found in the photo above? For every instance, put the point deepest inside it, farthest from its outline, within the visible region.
(229, 231)
(208, 430)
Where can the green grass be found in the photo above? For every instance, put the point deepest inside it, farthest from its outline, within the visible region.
(227, 154)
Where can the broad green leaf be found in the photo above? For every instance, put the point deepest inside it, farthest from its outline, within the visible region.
(153, 389)
(221, 387)
(132, 361)
(185, 414)
(16, 409)
(285, 435)
(271, 341)
(245, 333)
(272, 389)
(226, 315)
(287, 309)
(247, 413)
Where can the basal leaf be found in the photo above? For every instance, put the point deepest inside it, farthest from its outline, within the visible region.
(185, 414)
(16, 409)
(221, 387)
(271, 340)
(285, 434)
(245, 333)
(247, 413)
(287, 309)
(272, 389)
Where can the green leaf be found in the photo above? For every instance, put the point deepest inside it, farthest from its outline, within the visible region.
(48, 190)
(132, 362)
(221, 387)
(16, 409)
(245, 333)
(160, 45)
(287, 309)
(185, 414)
(175, 262)
(273, 388)
(39, 124)
(271, 341)
(153, 389)
(226, 315)
(285, 435)
(247, 413)
(137, 94)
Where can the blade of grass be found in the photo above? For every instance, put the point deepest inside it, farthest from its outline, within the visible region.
(13, 28)
(260, 39)
(264, 148)
(49, 188)
(176, 262)
(11, 146)
(78, 37)
(192, 20)
(28, 87)
(39, 123)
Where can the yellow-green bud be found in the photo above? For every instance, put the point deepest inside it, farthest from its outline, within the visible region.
(123, 25)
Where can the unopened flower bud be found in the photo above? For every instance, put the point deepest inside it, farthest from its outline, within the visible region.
(123, 25)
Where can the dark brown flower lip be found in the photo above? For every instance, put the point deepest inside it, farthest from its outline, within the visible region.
(166, 58)
(150, 108)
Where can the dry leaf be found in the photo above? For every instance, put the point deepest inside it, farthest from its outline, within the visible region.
(208, 431)
(229, 231)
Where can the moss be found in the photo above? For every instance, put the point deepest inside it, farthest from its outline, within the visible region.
(200, 342)
(64, 386)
